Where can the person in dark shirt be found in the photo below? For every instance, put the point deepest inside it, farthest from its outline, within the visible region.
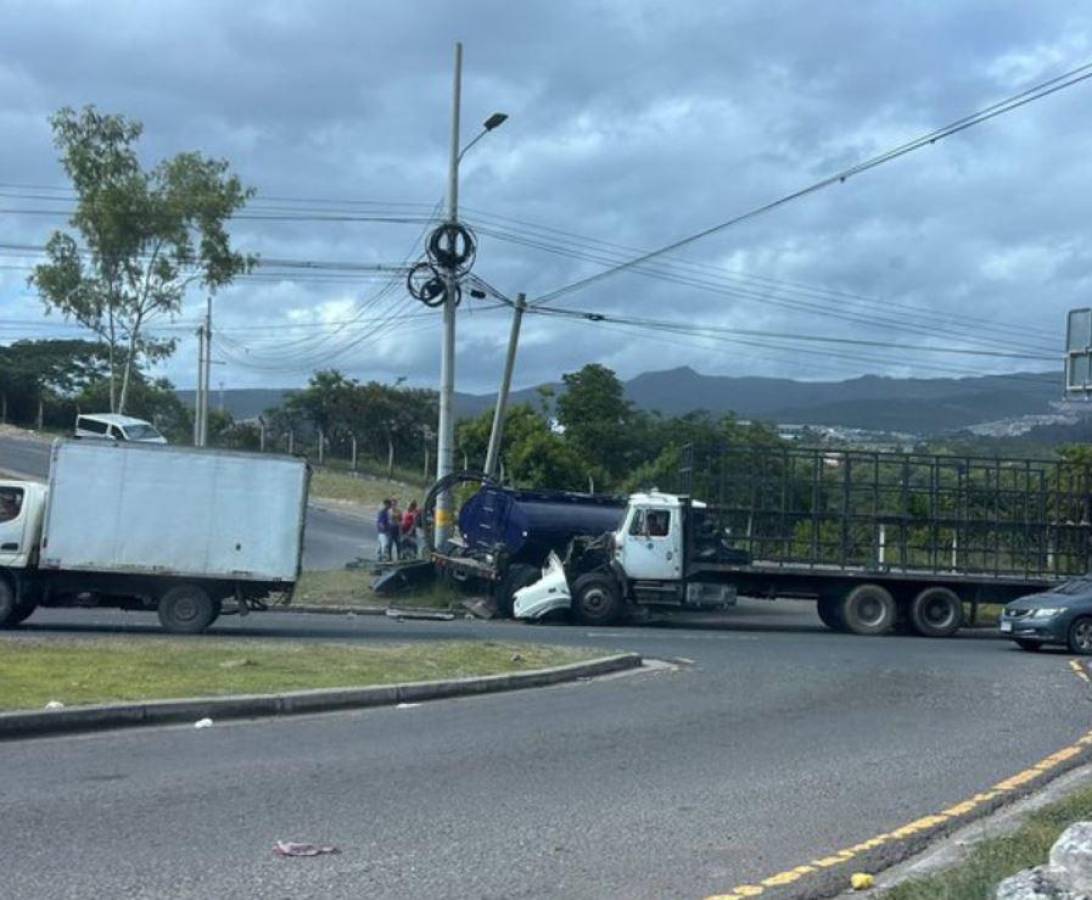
(383, 531)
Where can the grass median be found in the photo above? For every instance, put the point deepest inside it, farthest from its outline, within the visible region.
(82, 671)
(992, 860)
(352, 587)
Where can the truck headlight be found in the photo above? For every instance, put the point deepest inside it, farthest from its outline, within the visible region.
(1047, 612)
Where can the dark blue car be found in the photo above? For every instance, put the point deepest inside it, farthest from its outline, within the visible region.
(1062, 615)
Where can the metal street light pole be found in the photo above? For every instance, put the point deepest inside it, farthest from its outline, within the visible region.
(446, 437)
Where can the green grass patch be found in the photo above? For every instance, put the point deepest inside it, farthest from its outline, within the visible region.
(367, 490)
(352, 587)
(104, 670)
(993, 860)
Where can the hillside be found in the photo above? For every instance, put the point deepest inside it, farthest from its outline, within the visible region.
(916, 405)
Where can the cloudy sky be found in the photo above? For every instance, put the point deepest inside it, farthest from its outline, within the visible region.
(632, 125)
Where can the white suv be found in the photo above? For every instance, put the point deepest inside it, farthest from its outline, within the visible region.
(111, 427)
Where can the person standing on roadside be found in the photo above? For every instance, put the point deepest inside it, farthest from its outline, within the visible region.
(383, 531)
(409, 537)
(419, 531)
(394, 529)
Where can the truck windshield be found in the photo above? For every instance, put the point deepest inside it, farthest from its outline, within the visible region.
(141, 432)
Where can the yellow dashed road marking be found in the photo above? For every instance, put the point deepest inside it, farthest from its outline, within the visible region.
(925, 823)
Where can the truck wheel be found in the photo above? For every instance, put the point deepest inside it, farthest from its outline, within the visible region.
(936, 612)
(7, 603)
(869, 609)
(827, 607)
(518, 576)
(186, 609)
(1079, 638)
(596, 599)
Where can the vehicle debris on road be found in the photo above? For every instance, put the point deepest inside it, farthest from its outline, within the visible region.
(291, 848)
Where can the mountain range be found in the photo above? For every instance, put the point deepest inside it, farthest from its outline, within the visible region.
(915, 405)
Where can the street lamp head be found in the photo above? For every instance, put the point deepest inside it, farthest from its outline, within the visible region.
(494, 121)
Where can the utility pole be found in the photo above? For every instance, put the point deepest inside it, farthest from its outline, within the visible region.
(497, 434)
(206, 375)
(200, 378)
(446, 443)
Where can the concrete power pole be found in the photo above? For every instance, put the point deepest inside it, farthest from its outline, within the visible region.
(206, 375)
(497, 434)
(200, 379)
(446, 442)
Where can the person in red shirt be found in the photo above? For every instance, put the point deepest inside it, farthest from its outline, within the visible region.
(409, 525)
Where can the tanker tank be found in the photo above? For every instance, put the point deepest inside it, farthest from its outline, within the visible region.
(529, 524)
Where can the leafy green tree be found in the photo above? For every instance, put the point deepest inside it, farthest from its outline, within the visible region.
(597, 419)
(146, 235)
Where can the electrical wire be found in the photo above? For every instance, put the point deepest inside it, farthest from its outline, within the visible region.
(1036, 92)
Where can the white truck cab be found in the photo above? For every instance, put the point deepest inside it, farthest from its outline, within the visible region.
(646, 561)
(21, 506)
(649, 544)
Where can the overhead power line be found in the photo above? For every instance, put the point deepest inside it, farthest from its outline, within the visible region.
(1037, 92)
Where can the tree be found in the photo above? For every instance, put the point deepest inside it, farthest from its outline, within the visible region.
(597, 419)
(48, 372)
(146, 236)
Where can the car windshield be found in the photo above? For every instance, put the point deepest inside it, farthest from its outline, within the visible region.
(141, 432)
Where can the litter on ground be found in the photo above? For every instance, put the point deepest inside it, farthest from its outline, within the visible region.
(291, 848)
(203, 723)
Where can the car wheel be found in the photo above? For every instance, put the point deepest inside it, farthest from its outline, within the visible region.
(1080, 636)
(187, 609)
(1030, 646)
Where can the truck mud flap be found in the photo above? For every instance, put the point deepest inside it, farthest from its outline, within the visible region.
(404, 577)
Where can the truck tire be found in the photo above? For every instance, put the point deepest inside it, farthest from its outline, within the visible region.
(187, 609)
(829, 615)
(869, 609)
(519, 575)
(936, 612)
(597, 599)
(7, 603)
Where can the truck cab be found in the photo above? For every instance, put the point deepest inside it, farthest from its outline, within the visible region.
(647, 563)
(21, 506)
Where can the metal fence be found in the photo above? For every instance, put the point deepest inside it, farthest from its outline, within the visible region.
(894, 511)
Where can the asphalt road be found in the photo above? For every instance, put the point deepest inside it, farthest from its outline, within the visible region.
(772, 742)
(331, 538)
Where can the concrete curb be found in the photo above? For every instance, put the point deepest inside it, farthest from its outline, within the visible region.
(245, 706)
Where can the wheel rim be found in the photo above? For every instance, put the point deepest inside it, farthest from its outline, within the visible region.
(1082, 635)
(186, 608)
(938, 612)
(871, 611)
(595, 600)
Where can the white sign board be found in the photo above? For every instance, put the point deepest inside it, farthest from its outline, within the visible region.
(1078, 352)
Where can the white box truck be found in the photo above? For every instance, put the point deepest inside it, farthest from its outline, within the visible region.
(191, 533)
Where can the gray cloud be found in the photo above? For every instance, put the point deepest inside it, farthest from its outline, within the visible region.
(633, 123)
